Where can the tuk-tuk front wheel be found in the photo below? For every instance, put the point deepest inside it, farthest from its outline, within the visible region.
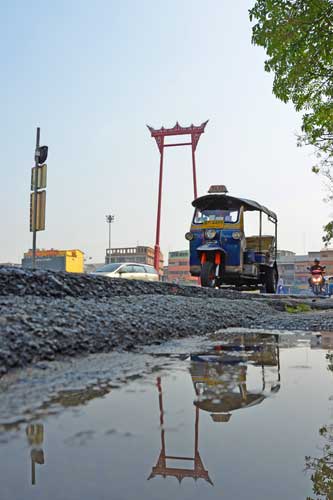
(207, 275)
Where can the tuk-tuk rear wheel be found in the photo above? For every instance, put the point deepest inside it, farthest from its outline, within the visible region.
(271, 280)
(207, 275)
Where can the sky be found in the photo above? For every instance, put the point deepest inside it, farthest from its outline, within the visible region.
(93, 74)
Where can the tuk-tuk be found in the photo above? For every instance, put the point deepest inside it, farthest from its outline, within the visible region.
(221, 254)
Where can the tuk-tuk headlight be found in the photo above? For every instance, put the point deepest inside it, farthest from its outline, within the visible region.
(189, 236)
(210, 234)
(236, 235)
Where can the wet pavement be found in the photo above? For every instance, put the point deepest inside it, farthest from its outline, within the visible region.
(235, 415)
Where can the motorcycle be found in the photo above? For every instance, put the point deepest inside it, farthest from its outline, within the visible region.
(317, 281)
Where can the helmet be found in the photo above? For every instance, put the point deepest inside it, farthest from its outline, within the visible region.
(317, 260)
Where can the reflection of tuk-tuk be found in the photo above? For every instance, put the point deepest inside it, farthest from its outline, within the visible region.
(219, 251)
(220, 375)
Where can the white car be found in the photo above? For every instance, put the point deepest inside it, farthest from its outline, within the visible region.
(128, 270)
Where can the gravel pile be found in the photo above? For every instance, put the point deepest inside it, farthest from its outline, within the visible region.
(45, 314)
(86, 286)
(34, 328)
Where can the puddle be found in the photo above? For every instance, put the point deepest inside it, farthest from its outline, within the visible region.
(237, 416)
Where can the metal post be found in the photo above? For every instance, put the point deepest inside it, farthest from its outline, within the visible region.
(109, 259)
(33, 471)
(278, 356)
(275, 240)
(196, 434)
(194, 171)
(34, 232)
(158, 223)
(260, 230)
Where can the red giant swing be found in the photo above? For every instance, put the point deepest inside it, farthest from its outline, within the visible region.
(194, 131)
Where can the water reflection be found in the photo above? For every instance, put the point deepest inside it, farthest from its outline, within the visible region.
(35, 437)
(218, 420)
(66, 399)
(79, 397)
(162, 469)
(219, 377)
(321, 468)
(62, 399)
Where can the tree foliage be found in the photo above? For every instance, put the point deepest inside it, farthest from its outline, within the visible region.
(298, 38)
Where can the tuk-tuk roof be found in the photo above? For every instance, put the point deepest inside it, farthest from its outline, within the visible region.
(230, 402)
(225, 202)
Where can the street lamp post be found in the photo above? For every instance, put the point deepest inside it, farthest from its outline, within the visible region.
(109, 220)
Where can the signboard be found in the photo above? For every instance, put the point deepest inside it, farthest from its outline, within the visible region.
(218, 188)
(41, 177)
(41, 203)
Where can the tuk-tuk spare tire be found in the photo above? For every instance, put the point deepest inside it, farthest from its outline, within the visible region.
(271, 280)
(207, 274)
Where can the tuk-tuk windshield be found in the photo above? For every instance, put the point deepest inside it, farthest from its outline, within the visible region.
(228, 216)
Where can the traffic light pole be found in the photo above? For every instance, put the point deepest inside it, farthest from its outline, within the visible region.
(34, 232)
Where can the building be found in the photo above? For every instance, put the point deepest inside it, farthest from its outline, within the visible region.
(286, 266)
(165, 273)
(284, 253)
(56, 260)
(141, 254)
(178, 270)
(293, 269)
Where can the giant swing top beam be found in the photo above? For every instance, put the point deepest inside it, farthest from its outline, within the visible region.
(194, 130)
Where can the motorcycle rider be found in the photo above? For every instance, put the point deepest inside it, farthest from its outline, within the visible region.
(316, 269)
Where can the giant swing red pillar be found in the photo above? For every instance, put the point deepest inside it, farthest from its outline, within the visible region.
(159, 136)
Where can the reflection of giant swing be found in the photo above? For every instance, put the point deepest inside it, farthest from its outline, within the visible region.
(215, 396)
(161, 469)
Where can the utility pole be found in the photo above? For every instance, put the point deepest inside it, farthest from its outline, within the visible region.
(109, 220)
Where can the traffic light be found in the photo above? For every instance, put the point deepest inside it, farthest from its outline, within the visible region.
(41, 154)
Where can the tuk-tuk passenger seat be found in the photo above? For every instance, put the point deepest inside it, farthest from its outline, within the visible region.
(267, 243)
(257, 253)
